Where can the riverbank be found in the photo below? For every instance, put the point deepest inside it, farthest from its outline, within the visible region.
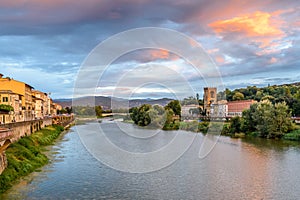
(27, 155)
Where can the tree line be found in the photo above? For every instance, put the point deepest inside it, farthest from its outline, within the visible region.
(263, 119)
(289, 93)
(157, 116)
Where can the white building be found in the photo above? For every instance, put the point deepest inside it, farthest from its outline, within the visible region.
(219, 109)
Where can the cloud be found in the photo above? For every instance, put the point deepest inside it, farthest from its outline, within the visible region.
(258, 26)
(245, 38)
(273, 60)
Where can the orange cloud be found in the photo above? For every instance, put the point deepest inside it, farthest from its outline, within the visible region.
(273, 60)
(259, 25)
(159, 54)
(212, 51)
(220, 59)
(162, 54)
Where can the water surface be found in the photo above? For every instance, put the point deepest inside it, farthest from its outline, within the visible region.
(235, 169)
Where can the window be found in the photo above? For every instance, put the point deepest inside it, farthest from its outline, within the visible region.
(5, 99)
(212, 94)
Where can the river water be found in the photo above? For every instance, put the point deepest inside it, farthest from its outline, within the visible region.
(234, 169)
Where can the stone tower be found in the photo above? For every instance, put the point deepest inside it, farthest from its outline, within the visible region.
(210, 97)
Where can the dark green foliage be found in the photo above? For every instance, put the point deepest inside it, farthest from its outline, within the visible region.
(67, 110)
(6, 108)
(140, 115)
(157, 116)
(235, 125)
(26, 155)
(276, 94)
(175, 106)
(98, 110)
(294, 135)
(267, 119)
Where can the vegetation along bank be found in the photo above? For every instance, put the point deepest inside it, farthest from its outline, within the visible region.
(26, 155)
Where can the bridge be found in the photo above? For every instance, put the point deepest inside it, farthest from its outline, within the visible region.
(6, 138)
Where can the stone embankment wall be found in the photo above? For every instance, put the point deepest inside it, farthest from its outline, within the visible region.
(21, 129)
(14, 131)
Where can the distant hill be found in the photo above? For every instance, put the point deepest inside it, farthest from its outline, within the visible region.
(107, 102)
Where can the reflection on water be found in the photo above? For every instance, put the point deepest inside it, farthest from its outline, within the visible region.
(235, 169)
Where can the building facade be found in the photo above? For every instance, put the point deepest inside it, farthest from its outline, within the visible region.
(209, 98)
(236, 108)
(8, 98)
(188, 111)
(219, 109)
(28, 104)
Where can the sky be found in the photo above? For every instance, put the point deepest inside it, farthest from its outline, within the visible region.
(251, 42)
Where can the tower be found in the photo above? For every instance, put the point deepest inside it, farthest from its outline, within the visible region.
(210, 97)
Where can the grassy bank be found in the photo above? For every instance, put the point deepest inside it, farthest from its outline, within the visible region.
(26, 155)
(294, 135)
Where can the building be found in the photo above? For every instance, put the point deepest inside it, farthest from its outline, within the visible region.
(219, 109)
(24, 91)
(236, 108)
(55, 108)
(187, 111)
(42, 104)
(7, 97)
(209, 98)
(28, 104)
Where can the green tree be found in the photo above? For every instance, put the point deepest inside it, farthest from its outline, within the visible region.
(235, 125)
(268, 97)
(264, 118)
(248, 125)
(238, 96)
(283, 121)
(98, 110)
(175, 107)
(141, 115)
(170, 123)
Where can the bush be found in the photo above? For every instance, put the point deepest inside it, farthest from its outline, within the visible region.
(294, 135)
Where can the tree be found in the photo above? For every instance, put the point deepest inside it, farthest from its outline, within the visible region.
(141, 115)
(235, 125)
(98, 110)
(69, 110)
(283, 121)
(268, 119)
(269, 97)
(157, 116)
(248, 122)
(296, 108)
(238, 96)
(263, 118)
(175, 107)
(170, 123)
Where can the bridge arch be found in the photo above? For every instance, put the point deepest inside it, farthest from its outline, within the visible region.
(4, 146)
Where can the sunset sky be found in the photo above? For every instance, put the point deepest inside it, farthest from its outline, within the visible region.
(253, 42)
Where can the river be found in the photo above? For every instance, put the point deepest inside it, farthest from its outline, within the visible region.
(234, 169)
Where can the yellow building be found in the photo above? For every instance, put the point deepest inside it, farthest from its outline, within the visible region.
(7, 97)
(42, 104)
(55, 108)
(24, 91)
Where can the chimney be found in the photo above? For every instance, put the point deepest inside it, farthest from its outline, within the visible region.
(1, 75)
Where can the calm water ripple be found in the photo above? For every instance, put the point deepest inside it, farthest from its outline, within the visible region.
(235, 169)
